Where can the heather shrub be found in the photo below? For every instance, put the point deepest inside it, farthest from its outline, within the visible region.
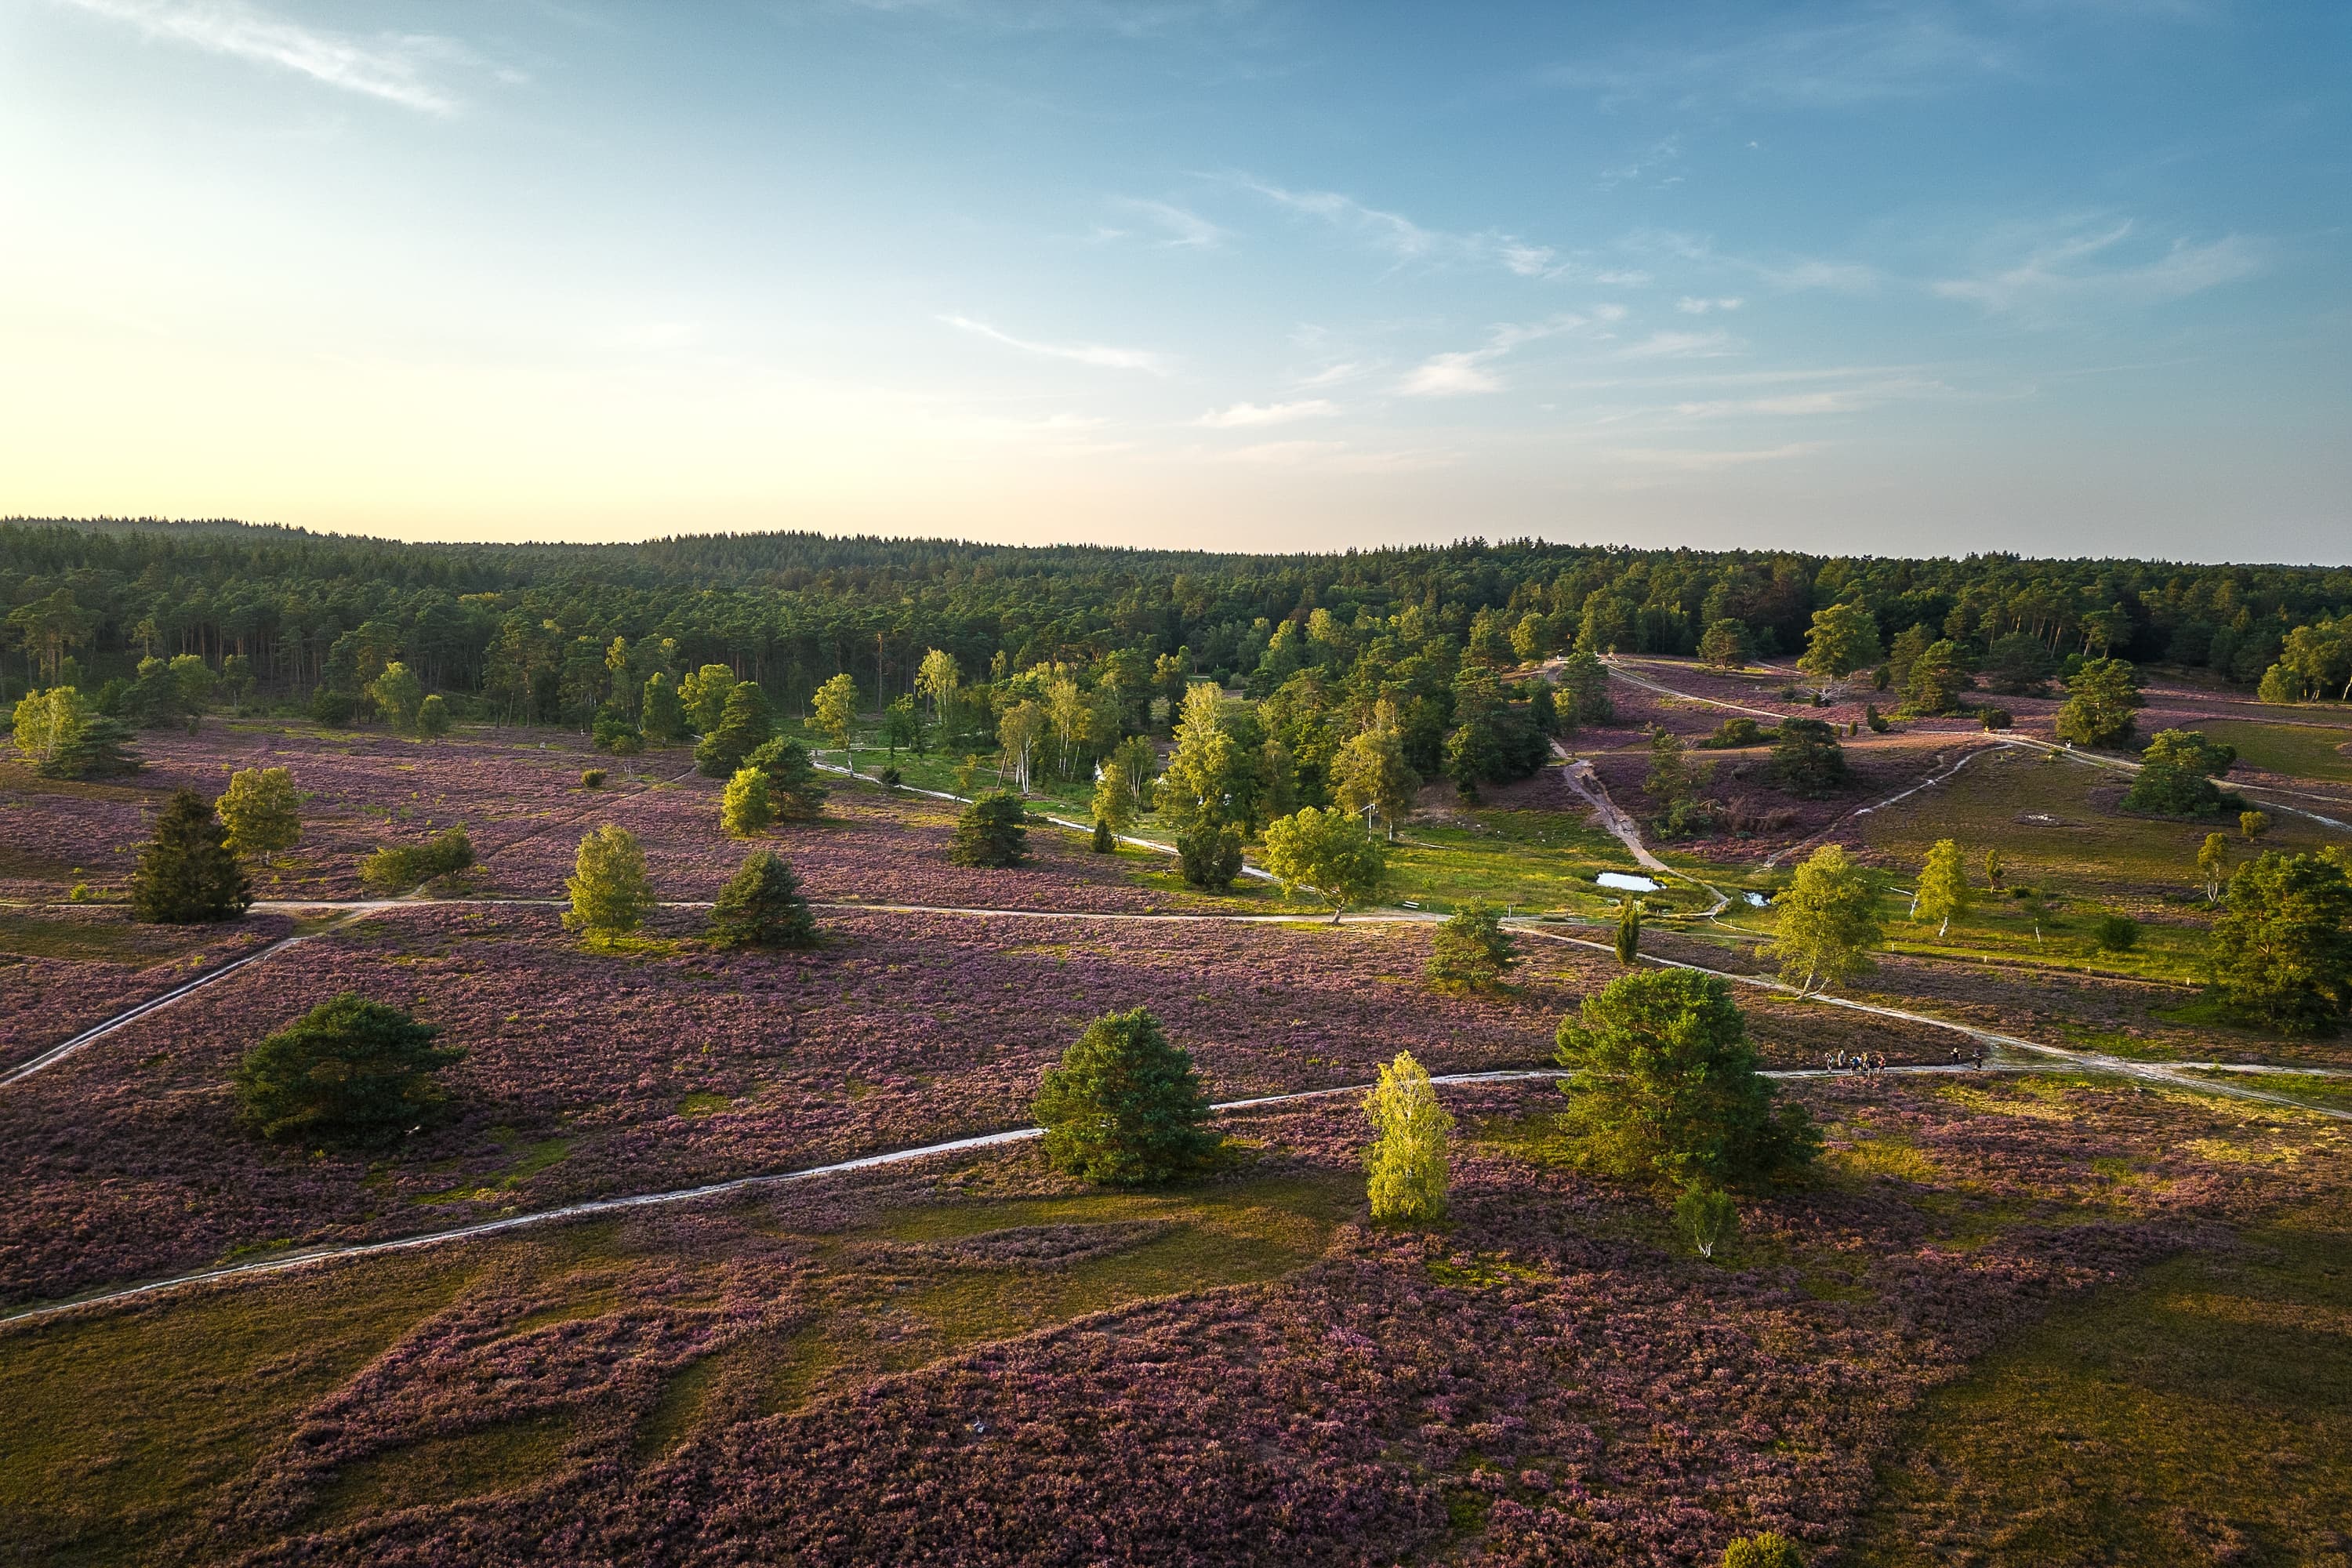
(610, 892)
(1406, 1163)
(592, 778)
(992, 831)
(398, 867)
(1472, 949)
(1770, 1550)
(1124, 1108)
(1666, 1089)
(187, 873)
(348, 1072)
(762, 906)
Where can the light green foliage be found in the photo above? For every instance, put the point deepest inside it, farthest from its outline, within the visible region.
(902, 727)
(1708, 1213)
(1828, 920)
(2253, 824)
(65, 736)
(1943, 886)
(187, 873)
(350, 1071)
(661, 716)
(1124, 1107)
(1407, 1161)
(1123, 792)
(194, 680)
(1770, 1550)
(433, 717)
(762, 906)
(402, 868)
(1369, 774)
(2213, 866)
(2280, 684)
(1328, 853)
(2282, 950)
(992, 831)
(1666, 1089)
(1531, 639)
(399, 694)
(2100, 699)
(609, 888)
(1807, 759)
(834, 710)
(744, 809)
(1210, 779)
(263, 811)
(744, 726)
(1843, 638)
(703, 695)
(937, 679)
(1472, 949)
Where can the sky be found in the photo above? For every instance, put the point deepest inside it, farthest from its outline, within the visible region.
(2058, 276)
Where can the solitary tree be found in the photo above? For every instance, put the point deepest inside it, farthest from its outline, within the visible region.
(2177, 772)
(794, 787)
(1725, 644)
(1586, 681)
(350, 1071)
(433, 717)
(2282, 950)
(1472, 949)
(834, 711)
(1708, 1213)
(1629, 930)
(262, 810)
(2100, 699)
(992, 831)
(1806, 758)
(902, 726)
(1210, 858)
(1828, 920)
(1328, 853)
(609, 888)
(1407, 1161)
(1943, 886)
(744, 809)
(2213, 866)
(1936, 680)
(403, 867)
(1124, 1108)
(2253, 824)
(762, 906)
(1666, 1089)
(744, 726)
(187, 874)
(1843, 638)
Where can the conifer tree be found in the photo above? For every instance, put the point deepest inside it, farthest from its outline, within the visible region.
(1407, 1163)
(187, 874)
(992, 831)
(349, 1071)
(1124, 1107)
(1629, 930)
(662, 717)
(762, 906)
(744, 725)
(794, 787)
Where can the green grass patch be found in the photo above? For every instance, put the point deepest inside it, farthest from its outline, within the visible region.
(2295, 751)
(526, 1157)
(2311, 1089)
(704, 1103)
(445, 1469)
(1526, 861)
(115, 940)
(2203, 1413)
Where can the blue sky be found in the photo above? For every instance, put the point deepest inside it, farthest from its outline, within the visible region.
(2056, 276)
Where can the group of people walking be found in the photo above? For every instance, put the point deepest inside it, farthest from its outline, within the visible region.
(1842, 1060)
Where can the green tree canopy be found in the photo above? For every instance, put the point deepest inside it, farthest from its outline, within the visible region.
(397, 869)
(64, 736)
(762, 906)
(2282, 948)
(744, 808)
(1125, 1108)
(610, 891)
(350, 1071)
(834, 710)
(661, 716)
(1666, 1089)
(1472, 949)
(1943, 886)
(1828, 920)
(1807, 759)
(1725, 644)
(1407, 1163)
(262, 810)
(794, 787)
(2100, 699)
(992, 831)
(187, 873)
(399, 694)
(703, 695)
(1843, 638)
(744, 726)
(1328, 853)
(1371, 775)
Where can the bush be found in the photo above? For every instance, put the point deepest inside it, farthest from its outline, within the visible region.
(399, 867)
(1124, 1108)
(1994, 718)
(1472, 949)
(1878, 721)
(433, 717)
(348, 1072)
(1738, 730)
(744, 808)
(618, 736)
(334, 708)
(2116, 934)
(592, 778)
(1104, 841)
(890, 777)
(1807, 759)
(1770, 1550)
(187, 874)
(992, 831)
(762, 906)
(1210, 858)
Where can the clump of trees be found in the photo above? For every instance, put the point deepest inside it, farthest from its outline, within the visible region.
(611, 893)
(2280, 952)
(1407, 1164)
(1326, 853)
(745, 724)
(2101, 700)
(1472, 950)
(795, 789)
(762, 906)
(399, 867)
(992, 831)
(188, 874)
(1828, 921)
(65, 736)
(1807, 759)
(1666, 1090)
(263, 812)
(2176, 776)
(1124, 1108)
(350, 1072)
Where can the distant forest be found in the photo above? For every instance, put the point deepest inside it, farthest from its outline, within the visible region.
(526, 632)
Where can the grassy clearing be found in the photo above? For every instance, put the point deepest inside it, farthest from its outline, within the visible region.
(2312, 1088)
(2201, 1415)
(2295, 751)
(1528, 861)
(109, 939)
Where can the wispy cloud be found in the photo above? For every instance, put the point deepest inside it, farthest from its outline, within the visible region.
(1330, 375)
(2067, 274)
(1102, 356)
(1692, 306)
(1255, 415)
(1168, 224)
(1679, 345)
(1646, 167)
(1468, 370)
(1887, 53)
(394, 67)
(1393, 235)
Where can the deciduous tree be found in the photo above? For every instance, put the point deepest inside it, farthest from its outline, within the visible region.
(1407, 1164)
(609, 888)
(1328, 853)
(1828, 921)
(262, 810)
(744, 808)
(2282, 949)
(1943, 886)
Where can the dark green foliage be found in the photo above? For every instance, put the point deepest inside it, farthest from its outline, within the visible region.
(1770, 1550)
(99, 748)
(2177, 774)
(1666, 1089)
(1210, 858)
(1543, 710)
(350, 1071)
(992, 831)
(1937, 678)
(794, 787)
(333, 708)
(2116, 934)
(762, 906)
(1492, 742)
(187, 873)
(400, 868)
(1104, 841)
(1125, 1108)
(2282, 949)
(617, 735)
(2100, 698)
(1876, 721)
(744, 725)
(2018, 665)
(1994, 718)
(1628, 942)
(592, 778)
(1472, 949)
(1807, 759)
(1736, 731)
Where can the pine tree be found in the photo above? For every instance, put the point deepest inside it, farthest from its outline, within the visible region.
(64, 736)
(187, 874)
(744, 808)
(2100, 698)
(262, 810)
(1407, 1161)
(1103, 841)
(992, 831)
(609, 888)
(349, 1071)
(794, 787)
(1472, 949)
(1629, 930)
(744, 725)
(1124, 1108)
(762, 906)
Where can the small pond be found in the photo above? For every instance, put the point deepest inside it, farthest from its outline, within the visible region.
(1625, 883)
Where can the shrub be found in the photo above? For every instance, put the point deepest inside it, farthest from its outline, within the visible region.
(610, 892)
(348, 1072)
(1994, 718)
(992, 831)
(187, 874)
(2253, 824)
(1770, 1550)
(1878, 722)
(263, 811)
(744, 809)
(1737, 731)
(1407, 1164)
(334, 708)
(1210, 858)
(2116, 934)
(592, 778)
(762, 906)
(1124, 1107)
(617, 735)
(398, 867)
(891, 778)
(1472, 949)
(1806, 758)
(1666, 1086)
(1104, 841)
(433, 717)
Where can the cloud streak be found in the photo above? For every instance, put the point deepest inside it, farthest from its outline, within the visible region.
(1465, 371)
(2064, 275)
(1101, 356)
(391, 68)
(1257, 416)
